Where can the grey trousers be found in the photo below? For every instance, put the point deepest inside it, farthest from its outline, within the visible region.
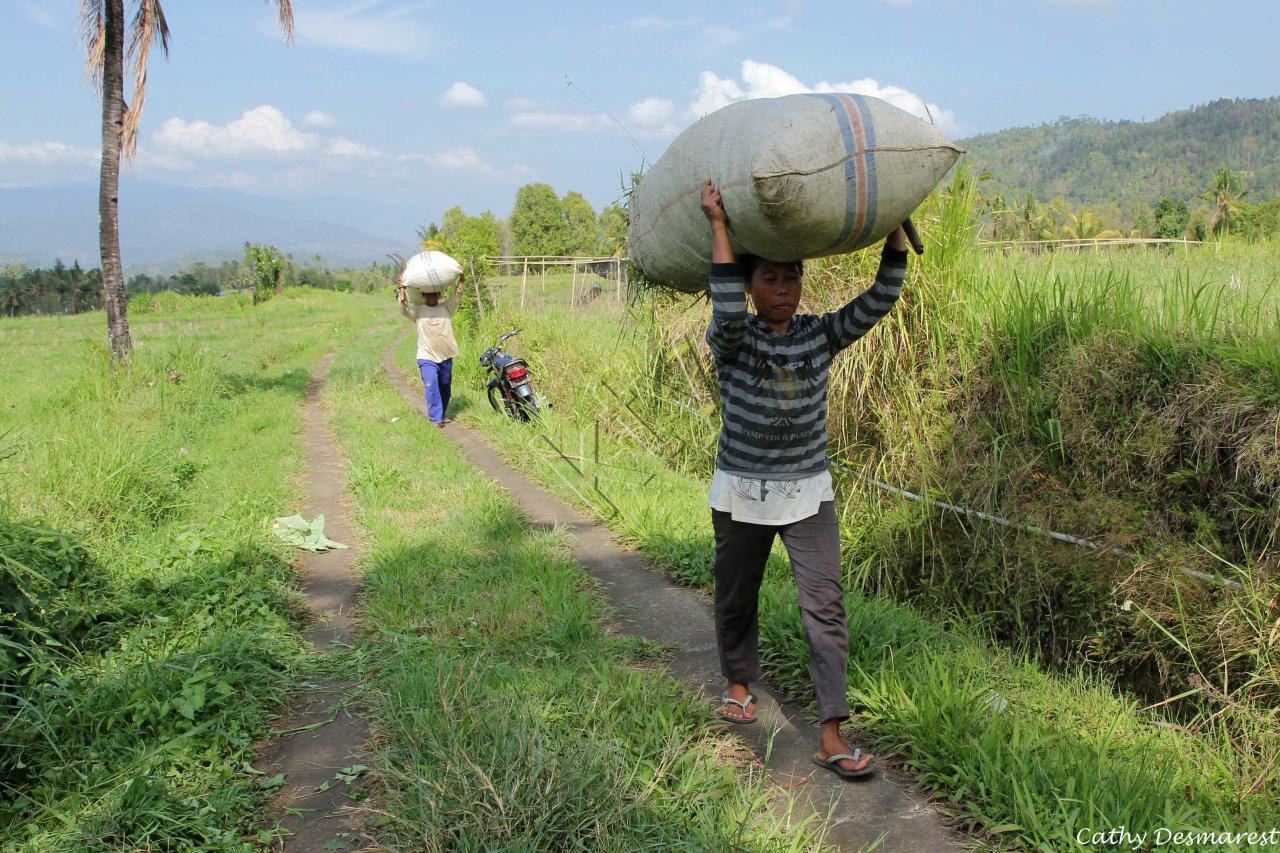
(813, 544)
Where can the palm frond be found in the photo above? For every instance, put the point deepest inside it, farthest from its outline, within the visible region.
(149, 26)
(285, 8)
(92, 30)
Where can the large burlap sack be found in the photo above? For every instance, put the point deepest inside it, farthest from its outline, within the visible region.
(801, 176)
(430, 272)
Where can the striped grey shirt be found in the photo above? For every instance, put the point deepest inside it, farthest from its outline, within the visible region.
(773, 385)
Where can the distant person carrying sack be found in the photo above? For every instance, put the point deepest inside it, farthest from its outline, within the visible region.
(771, 475)
(433, 317)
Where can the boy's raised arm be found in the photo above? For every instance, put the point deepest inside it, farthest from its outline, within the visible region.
(728, 298)
(402, 297)
(854, 320)
(452, 301)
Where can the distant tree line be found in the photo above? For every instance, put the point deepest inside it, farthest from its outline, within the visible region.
(60, 289)
(541, 223)
(63, 289)
(1217, 210)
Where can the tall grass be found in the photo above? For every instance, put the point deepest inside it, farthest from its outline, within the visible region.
(134, 508)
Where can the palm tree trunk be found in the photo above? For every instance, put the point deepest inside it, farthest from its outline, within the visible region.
(109, 188)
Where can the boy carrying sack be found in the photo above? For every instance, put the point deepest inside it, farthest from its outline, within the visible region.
(771, 476)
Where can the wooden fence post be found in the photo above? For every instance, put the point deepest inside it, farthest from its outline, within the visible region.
(475, 281)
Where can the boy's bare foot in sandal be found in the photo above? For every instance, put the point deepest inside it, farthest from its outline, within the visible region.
(835, 754)
(737, 705)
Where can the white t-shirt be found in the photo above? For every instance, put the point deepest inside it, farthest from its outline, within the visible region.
(435, 329)
(771, 502)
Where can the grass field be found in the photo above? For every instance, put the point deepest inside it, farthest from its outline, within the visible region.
(1036, 687)
(152, 636)
(150, 625)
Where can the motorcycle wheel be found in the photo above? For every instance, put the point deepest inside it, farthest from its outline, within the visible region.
(513, 409)
(521, 410)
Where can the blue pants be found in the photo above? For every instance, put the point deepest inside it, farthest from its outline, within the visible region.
(437, 381)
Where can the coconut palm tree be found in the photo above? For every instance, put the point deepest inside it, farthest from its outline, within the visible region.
(1086, 226)
(1225, 195)
(13, 296)
(104, 34)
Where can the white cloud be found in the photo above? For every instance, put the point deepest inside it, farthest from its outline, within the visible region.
(47, 154)
(712, 94)
(651, 112)
(462, 159)
(761, 80)
(261, 130)
(462, 94)
(573, 122)
(521, 104)
(769, 81)
(369, 26)
(343, 147)
(319, 119)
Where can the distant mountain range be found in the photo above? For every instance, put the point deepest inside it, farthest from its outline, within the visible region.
(1133, 164)
(164, 227)
(1124, 165)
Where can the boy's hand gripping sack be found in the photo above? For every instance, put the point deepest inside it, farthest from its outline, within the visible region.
(801, 176)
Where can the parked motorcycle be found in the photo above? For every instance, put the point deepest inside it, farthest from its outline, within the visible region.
(510, 387)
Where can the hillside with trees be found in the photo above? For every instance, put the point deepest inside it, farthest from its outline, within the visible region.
(1119, 172)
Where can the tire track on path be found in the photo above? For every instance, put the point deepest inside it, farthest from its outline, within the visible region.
(320, 734)
(881, 810)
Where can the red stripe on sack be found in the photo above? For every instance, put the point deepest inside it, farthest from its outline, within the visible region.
(860, 163)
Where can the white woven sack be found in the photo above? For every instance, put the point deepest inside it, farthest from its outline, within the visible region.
(801, 176)
(430, 272)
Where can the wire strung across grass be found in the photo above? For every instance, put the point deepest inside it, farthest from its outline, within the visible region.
(1029, 528)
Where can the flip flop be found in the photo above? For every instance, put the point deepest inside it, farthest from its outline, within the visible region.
(726, 699)
(833, 764)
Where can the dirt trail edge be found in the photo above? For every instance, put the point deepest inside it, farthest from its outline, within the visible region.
(647, 604)
(320, 735)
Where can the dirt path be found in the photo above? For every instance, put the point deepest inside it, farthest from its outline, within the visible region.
(651, 606)
(321, 734)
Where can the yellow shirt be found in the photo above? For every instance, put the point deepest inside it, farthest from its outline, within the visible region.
(435, 329)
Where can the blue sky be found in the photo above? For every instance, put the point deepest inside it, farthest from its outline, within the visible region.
(411, 106)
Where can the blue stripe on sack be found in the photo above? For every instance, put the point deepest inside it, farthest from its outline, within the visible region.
(850, 169)
(869, 165)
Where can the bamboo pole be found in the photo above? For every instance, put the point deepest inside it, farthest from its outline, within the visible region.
(573, 287)
(475, 281)
(524, 279)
